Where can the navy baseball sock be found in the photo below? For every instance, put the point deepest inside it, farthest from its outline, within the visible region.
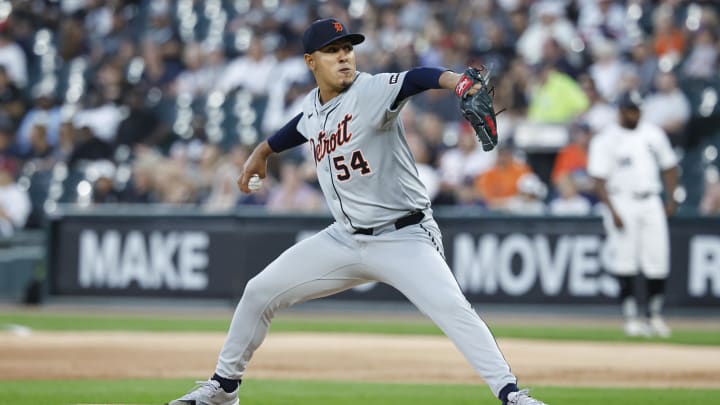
(512, 387)
(226, 384)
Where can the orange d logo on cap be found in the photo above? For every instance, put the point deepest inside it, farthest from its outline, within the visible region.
(323, 32)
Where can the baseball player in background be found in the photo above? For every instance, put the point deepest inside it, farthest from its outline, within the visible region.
(625, 161)
(383, 230)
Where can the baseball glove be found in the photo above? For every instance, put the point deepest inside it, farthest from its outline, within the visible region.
(478, 108)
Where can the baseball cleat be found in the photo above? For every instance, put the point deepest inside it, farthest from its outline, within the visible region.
(659, 328)
(208, 393)
(637, 328)
(522, 397)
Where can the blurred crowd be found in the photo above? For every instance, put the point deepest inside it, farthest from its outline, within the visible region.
(132, 101)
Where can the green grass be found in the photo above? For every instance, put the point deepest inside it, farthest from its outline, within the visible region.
(111, 322)
(603, 334)
(45, 321)
(279, 392)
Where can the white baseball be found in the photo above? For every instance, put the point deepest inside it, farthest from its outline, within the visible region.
(254, 183)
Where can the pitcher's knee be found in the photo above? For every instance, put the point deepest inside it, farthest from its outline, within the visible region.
(265, 294)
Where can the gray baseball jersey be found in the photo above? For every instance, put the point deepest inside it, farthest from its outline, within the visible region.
(364, 185)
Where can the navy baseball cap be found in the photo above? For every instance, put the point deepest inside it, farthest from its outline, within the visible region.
(323, 32)
(630, 99)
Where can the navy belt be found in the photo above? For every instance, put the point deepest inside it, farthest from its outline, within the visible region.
(636, 195)
(642, 196)
(413, 218)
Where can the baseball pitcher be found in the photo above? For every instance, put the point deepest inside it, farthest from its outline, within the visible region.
(384, 228)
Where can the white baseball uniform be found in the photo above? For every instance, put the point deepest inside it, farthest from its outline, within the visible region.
(630, 161)
(369, 179)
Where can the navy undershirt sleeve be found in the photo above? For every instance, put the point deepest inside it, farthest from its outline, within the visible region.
(287, 137)
(417, 80)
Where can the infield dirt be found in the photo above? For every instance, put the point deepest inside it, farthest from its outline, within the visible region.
(353, 357)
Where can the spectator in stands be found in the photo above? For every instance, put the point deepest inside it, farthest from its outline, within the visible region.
(205, 168)
(127, 59)
(461, 164)
(549, 22)
(174, 186)
(607, 70)
(428, 175)
(702, 60)
(141, 125)
(602, 20)
(43, 112)
(14, 200)
(290, 83)
(66, 141)
(529, 199)
(571, 160)
(141, 187)
(11, 99)
(512, 94)
(667, 107)
(252, 71)
(13, 59)
(709, 15)
(237, 156)
(645, 64)
(499, 183)
(391, 35)
(224, 193)
(8, 150)
(201, 71)
(554, 55)
(107, 84)
(97, 21)
(102, 114)
(103, 187)
(158, 72)
(498, 51)
(40, 153)
(293, 194)
(109, 31)
(569, 201)
(432, 128)
(414, 14)
(436, 36)
(88, 147)
(71, 38)
(518, 18)
(188, 146)
(668, 39)
(23, 23)
(630, 81)
(293, 98)
(556, 98)
(600, 112)
(161, 32)
(710, 203)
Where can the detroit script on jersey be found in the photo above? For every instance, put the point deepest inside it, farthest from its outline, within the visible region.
(327, 144)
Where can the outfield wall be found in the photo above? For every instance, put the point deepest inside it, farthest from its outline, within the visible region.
(495, 259)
